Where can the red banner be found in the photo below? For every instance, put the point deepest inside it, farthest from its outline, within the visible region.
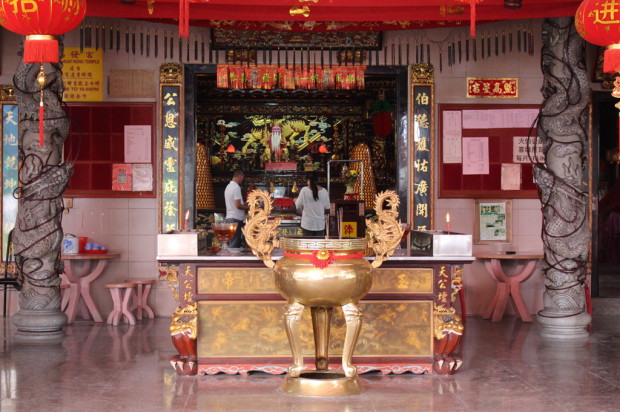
(230, 76)
(491, 87)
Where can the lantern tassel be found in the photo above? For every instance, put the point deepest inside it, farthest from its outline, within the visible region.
(472, 18)
(612, 59)
(40, 48)
(41, 122)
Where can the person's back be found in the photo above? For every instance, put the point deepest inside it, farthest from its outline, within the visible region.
(313, 208)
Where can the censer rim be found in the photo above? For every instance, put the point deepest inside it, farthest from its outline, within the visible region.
(309, 244)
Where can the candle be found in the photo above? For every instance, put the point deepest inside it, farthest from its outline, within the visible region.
(186, 217)
(448, 221)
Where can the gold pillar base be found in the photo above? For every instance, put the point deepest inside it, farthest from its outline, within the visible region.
(322, 383)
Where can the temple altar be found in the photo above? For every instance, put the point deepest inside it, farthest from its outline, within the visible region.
(409, 322)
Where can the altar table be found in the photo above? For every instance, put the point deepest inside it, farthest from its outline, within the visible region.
(93, 266)
(509, 286)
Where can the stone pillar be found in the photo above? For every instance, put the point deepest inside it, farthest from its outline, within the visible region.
(37, 236)
(562, 181)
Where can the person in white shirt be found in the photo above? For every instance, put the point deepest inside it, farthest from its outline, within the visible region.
(235, 208)
(313, 201)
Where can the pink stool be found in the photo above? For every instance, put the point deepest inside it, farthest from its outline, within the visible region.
(121, 308)
(64, 296)
(143, 287)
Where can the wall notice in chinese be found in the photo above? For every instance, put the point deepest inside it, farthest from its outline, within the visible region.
(82, 74)
(527, 150)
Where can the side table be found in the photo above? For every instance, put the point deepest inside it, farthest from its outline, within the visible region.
(93, 266)
(509, 286)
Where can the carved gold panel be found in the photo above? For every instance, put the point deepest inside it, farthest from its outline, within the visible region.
(256, 329)
(418, 280)
(235, 280)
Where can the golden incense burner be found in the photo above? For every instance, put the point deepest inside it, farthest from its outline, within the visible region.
(322, 273)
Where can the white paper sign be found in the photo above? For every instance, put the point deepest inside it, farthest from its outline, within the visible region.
(511, 176)
(452, 137)
(520, 152)
(475, 155)
(137, 144)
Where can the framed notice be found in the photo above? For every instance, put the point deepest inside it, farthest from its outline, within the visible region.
(492, 221)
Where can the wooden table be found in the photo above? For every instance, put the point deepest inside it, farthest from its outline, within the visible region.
(509, 286)
(93, 266)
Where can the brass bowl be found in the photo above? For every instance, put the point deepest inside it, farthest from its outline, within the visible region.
(344, 281)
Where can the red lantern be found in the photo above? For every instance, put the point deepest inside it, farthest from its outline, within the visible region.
(40, 21)
(230, 149)
(598, 24)
(323, 149)
(382, 123)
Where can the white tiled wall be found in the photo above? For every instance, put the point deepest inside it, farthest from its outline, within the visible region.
(129, 226)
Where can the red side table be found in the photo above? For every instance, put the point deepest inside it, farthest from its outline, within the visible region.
(509, 286)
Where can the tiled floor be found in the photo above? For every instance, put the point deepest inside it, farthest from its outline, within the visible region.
(506, 367)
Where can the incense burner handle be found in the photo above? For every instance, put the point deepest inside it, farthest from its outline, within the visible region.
(260, 233)
(385, 232)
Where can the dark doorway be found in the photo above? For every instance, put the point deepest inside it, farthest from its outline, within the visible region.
(606, 193)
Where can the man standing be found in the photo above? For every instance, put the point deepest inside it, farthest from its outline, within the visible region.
(235, 209)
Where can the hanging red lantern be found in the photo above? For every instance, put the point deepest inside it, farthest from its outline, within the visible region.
(600, 26)
(40, 21)
(597, 24)
(472, 15)
(323, 149)
(230, 149)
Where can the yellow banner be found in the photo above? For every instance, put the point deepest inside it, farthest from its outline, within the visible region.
(82, 74)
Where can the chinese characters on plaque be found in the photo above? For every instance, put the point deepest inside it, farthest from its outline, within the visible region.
(492, 87)
(9, 169)
(170, 128)
(422, 183)
(82, 74)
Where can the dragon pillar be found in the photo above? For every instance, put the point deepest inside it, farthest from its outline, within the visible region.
(43, 177)
(562, 181)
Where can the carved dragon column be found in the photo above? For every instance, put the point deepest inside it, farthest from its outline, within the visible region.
(43, 177)
(562, 181)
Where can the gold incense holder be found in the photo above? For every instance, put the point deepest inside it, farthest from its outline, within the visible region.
(322, 274)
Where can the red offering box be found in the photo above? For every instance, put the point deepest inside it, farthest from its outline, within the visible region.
(284, 202)
(96, 252)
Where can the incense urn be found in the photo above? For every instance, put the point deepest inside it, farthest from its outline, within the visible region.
(320, 274)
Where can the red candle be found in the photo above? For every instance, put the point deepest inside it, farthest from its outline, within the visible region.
(448, 221)
(186, 217)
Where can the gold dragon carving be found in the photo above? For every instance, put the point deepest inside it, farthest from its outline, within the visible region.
(260, 233)
(185, 321)
(385, 232)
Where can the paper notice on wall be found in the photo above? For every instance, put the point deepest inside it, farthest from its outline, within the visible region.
(138, 144)
(499, 118)
(121, 176)
(452, 135)
(142, 177)
(511, 176)
(520, 152)
(475, 155)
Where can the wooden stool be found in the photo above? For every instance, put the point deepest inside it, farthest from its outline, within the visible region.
(143, 287)
(64, 296)
(121, 308)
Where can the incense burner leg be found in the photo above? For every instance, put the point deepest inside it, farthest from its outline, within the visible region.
(321, 320)
(292, 319)
(353, 318)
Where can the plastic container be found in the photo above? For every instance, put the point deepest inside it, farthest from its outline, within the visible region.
(82, 242)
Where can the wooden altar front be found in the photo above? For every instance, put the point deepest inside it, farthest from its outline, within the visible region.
(230, 317)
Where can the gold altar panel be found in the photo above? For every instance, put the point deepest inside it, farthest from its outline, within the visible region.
(235, 280)
(260, 280)
(418, 280)
(256, 329)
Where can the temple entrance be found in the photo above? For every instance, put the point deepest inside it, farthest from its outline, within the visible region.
(606, 190)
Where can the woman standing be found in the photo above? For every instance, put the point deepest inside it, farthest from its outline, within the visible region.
(313, 200)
